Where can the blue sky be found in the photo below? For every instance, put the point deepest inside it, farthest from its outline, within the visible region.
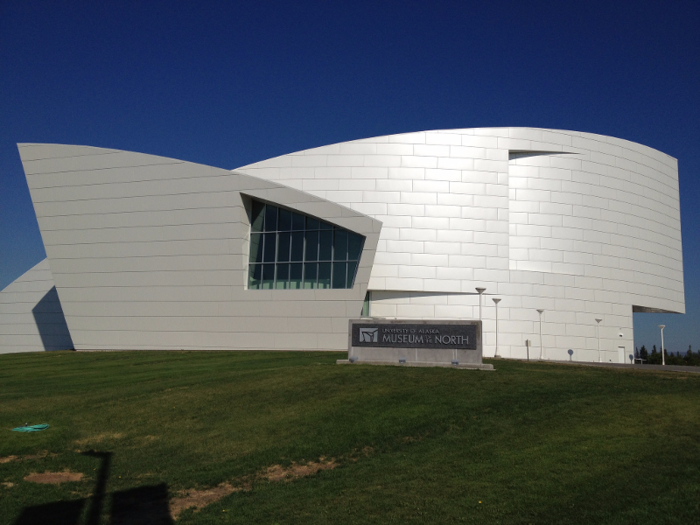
(229, 83)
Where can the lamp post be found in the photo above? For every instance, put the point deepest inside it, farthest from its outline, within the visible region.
(597, 334)
(539, 311)
(663, 357)
(496, 301)
(481, 292)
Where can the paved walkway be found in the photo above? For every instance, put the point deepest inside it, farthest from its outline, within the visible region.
(643, 368)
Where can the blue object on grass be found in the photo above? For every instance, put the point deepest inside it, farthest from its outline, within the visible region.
(32, 428)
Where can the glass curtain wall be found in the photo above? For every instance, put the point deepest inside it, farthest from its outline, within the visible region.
(292, 251)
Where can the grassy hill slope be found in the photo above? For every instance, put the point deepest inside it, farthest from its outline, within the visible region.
(294, 438)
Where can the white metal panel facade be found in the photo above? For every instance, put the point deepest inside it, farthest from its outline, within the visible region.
(582, 226)
(148, 252)
(31, 319)
(152, 253)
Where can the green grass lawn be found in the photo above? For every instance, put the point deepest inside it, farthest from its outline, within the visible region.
(528, 443)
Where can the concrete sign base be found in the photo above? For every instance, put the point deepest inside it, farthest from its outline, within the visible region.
(465, 366)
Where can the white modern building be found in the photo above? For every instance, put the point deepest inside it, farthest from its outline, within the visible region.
(145, 252)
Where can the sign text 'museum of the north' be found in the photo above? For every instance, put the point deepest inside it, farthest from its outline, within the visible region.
(454, 336)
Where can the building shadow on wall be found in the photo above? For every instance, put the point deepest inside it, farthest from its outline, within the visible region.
(51, 322)
(138, 506)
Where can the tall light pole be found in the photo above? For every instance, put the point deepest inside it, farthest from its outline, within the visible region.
(663, 357)
(597, 334)
(481, 292)
(496, 301)
(541, 350)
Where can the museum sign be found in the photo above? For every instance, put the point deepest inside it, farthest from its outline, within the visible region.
(443, 336)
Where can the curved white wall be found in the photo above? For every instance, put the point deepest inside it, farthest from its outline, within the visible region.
(581, 225)
(148, 252)
(31, 319)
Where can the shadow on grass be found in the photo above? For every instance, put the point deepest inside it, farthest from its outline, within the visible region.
(141, 505)
(57, 513)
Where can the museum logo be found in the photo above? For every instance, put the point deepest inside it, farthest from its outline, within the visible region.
(369, 335)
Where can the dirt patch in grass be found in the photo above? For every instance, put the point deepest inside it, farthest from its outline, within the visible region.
(99, 438)
(295, 470)
(10, 459)
(54, 477)
(357, 454)
(7, 484)
(200, 498)
(40, 455)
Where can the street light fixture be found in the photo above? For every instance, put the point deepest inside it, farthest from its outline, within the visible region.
(539, 311)
(496, 301)
(663, 357)
(481, 292)
(597, 335)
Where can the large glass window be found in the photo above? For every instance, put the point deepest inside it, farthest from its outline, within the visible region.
(290, 251)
